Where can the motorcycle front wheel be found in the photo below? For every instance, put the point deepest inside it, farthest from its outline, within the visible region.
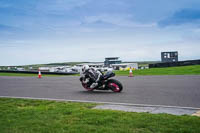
(114, 85)
(86, 87)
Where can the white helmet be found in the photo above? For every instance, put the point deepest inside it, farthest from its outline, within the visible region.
(85, 68)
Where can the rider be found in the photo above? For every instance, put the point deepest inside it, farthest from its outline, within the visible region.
(93, 74)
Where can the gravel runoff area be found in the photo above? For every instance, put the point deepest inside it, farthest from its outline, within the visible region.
(152, 93)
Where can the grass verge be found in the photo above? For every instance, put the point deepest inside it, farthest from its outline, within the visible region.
(28, 74)
(182, 70)
(40, 116)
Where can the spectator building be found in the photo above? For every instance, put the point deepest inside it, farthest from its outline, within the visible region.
(111, 60)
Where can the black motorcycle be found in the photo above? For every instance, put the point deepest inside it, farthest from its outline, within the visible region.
(105, 83)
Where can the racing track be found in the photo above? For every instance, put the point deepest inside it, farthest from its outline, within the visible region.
(154, 90)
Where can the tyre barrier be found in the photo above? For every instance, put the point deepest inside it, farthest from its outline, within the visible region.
(173, 64)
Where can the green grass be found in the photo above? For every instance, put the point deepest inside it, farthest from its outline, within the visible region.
(183, 70)
(39, 116)
(27, 74)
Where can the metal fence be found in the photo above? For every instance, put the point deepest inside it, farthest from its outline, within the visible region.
(173, 64)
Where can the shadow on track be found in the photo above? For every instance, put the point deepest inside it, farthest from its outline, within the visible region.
(98, 92)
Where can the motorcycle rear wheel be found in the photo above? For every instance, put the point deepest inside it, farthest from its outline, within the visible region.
(114, 85)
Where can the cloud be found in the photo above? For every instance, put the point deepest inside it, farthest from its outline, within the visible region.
(6, 27)
(95, 29)
(59, 7)
(7, 31)
(183, 16)
(115, 20)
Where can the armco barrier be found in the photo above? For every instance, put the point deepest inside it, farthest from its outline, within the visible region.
(173, 64)
(36, 72)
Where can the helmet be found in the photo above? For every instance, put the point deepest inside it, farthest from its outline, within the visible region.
(85, 68)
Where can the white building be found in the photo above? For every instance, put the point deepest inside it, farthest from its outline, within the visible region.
(61, 69)
(94, 65)
(78, 67)
(99, 66)
(46, 69)
(125, 66)
(56, 69)
(20, 69)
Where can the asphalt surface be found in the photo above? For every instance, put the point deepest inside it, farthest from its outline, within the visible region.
(181, 91)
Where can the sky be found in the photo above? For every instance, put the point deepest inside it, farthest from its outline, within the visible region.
(49, 31)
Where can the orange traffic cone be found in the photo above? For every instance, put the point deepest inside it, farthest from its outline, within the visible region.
(39, 74)
(130, 73)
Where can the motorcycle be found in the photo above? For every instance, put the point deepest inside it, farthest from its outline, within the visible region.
(105, 83)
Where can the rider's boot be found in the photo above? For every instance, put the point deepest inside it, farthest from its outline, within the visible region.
(93, 85)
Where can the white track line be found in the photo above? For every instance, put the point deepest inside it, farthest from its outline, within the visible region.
(113, 103)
